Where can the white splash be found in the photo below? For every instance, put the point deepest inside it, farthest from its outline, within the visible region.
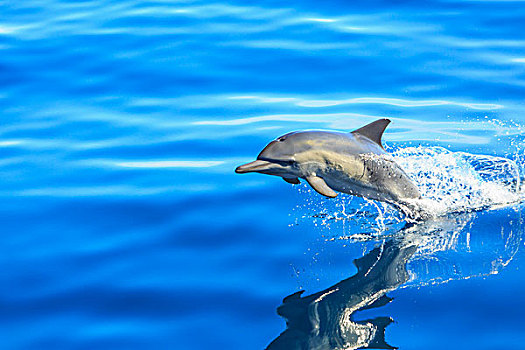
(460, 182)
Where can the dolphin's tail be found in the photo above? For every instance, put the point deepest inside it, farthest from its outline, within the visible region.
(414, 210)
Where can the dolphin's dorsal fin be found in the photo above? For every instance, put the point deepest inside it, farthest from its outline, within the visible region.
(374, 130)
(378, 339)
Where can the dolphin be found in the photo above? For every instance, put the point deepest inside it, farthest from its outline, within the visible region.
(349, 162)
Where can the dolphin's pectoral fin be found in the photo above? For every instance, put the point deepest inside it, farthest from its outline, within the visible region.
(320, 186)
(374, 130)
(292, 180)
(382, 301)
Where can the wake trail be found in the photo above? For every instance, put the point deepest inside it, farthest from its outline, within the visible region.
(456, 182)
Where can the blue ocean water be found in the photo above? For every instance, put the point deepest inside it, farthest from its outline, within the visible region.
(125, 226)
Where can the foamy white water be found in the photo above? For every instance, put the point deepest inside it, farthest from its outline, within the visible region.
(460, 182)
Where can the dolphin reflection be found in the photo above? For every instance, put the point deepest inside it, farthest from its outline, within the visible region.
(326, 320)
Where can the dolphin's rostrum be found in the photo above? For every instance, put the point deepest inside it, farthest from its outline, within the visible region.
(354, 163)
